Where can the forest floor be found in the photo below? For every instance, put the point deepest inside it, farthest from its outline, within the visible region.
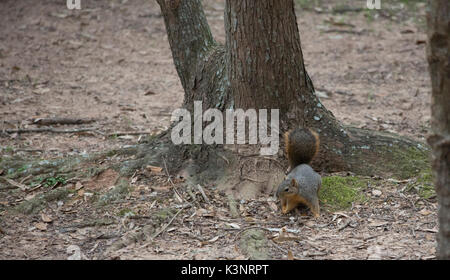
(111, 62)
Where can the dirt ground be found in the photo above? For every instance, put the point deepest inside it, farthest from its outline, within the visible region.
(111, 62)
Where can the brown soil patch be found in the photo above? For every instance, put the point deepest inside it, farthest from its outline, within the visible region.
(103, 180)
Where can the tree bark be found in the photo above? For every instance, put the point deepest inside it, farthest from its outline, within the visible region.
(198, 58)
(261, 67)
(438, 52)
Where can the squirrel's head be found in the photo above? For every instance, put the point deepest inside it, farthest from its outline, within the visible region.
(287, 187)
(287, 193)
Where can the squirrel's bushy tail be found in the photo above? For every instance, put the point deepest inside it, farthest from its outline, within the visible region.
(302, 144)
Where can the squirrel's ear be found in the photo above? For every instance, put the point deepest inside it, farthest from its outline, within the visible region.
(294, 183)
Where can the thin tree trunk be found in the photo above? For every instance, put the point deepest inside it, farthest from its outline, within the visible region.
(438, 51)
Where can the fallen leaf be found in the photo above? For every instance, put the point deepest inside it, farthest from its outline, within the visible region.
(376, 192)
(377, 224)
(433, 230)
(204, 213)
(15, 184)
(41, 226)
(76, 253)
(212, 240)
(45, 218)
(425, 212)
(134, 179)
(154, 169)
(233, 225)
(290, 256)
(419, 42)
(78, 186)
(126, 137)
(273, 206)
(80, 192)
(406, 31)
(249, 219)
(284, 235)
(322, 94)
(29, 197)
(41, 91)
(149, 92)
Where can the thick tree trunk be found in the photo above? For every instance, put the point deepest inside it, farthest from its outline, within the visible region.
(439, 61)
(261, 67)
(266, 70)
(199, 60)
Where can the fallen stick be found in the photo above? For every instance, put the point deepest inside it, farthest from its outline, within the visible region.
(16, 184)
(120, 133)
(40, 130)
(50, 121)
(356, 32)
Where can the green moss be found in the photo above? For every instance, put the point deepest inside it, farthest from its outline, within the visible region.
(163, 215)
(393, 159)
(409, 162)
(111, 153)
(405, 163)
(120, 191)
(254, 244)
(126, 212)
(424, 185)
(18, 167)
(306, 4)
(338, 193)
(39, 202)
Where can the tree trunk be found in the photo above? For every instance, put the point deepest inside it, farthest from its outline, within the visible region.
(261, 67)
(438, 52)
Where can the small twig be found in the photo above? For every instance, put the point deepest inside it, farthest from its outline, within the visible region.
(192, 195)
(345, 9)
(137, 217)
(25, 179)
(432, 230)
(276, 161)
(250, 179)
(33, 189)
(346, 224)
(356, 32)
(287, 230)
(29, 150)
(170, 180)
(224, 158)
(105, 236)
(168, 224)
(339, 23)
(279, 247)
(203, 193)
(121, 133)
(371, 237)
